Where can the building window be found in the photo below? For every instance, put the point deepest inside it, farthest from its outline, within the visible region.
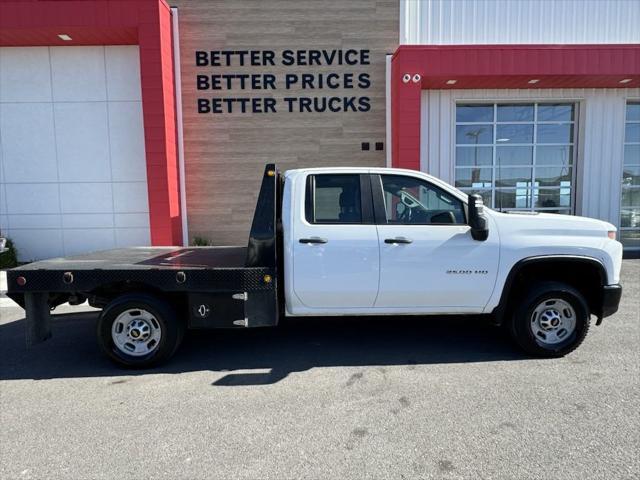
(518, 156)
(630, 204)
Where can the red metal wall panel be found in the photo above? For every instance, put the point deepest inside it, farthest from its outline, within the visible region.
(119, 22)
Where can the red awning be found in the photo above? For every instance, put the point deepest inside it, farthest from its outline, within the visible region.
(520, 66)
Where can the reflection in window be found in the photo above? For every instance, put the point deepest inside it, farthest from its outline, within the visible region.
(514, 155)
(515, 113)
(474, 156)
(516, 133)
(474, 113)
(474, 134)
(555, 133)
(556, 112)
(518, 156)
(474, 178)
(513, 177)
(556, 155)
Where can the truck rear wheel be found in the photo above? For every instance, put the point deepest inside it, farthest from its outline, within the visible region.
(139, 331)
(551, 320)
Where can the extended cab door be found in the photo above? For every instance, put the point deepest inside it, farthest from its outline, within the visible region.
(335, 244)
(428, 260)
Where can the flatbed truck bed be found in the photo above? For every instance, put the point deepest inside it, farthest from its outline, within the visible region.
(147, 258)
(224, 287)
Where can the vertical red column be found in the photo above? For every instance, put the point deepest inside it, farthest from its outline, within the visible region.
(405, 115)
(158, 106)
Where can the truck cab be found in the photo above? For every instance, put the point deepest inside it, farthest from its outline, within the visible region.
(382, 241)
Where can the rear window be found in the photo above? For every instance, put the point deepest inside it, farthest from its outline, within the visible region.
(333, 199)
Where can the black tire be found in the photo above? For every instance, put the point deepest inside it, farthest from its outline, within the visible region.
(171, 328)
(521, 322)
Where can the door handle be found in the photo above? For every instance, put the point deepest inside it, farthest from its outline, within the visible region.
(313, 240)
(398, 240)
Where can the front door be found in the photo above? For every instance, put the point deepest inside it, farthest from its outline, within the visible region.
(428, 260)
(335, 246)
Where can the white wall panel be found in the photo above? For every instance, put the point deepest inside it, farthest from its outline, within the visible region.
(61, 153)
(82, 239)
(131, 220)
(82, 138)
(88, 220)
(25, 74)
(126, 139)
(33, 244)
(3, 199)
(599, 139)
(450, 22)
(437, 135)
(36, 221)
(78, 74)
(130, 197)
(32, 198)
(122, 62)
(132, 236)
(602, 153)
(28, 142)
(86, 198)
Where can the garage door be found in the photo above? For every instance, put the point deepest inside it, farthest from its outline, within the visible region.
(73, 170)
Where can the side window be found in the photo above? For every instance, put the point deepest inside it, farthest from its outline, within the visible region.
(411, 201)
(333, 199)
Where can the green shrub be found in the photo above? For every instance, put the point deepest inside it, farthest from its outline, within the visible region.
(201, 242)
(9, 259)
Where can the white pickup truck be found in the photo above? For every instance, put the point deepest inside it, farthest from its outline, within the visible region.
(344, 241)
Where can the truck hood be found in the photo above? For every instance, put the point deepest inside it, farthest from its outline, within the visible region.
(528, 235)
(552, 224)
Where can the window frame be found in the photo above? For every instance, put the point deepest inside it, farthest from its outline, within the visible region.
(379, 205)
(621, 229)
(366, 202)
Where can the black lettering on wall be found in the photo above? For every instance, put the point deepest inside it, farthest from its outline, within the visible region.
(320, 77)
(364, 81)
(202, 59)
(364, 104)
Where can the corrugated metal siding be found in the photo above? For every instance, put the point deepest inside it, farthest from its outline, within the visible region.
(467, 22)
(600, 138)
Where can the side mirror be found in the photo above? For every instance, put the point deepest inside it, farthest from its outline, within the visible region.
(477, 221)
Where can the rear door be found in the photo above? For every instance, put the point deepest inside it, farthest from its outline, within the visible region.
(429, 263)
(335, 244)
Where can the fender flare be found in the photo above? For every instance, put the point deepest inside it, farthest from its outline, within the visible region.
(499, 311)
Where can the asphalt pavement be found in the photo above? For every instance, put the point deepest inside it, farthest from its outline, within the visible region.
(353, 398)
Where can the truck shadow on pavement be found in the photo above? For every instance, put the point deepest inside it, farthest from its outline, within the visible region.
(295, 346)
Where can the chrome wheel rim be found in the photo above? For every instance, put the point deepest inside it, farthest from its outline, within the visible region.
(136, 332)
(553, 321)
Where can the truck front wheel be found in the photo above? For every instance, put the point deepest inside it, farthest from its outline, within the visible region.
(139, 331)
(551, 320)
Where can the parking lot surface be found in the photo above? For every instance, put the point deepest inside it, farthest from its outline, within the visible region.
(325, 398)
